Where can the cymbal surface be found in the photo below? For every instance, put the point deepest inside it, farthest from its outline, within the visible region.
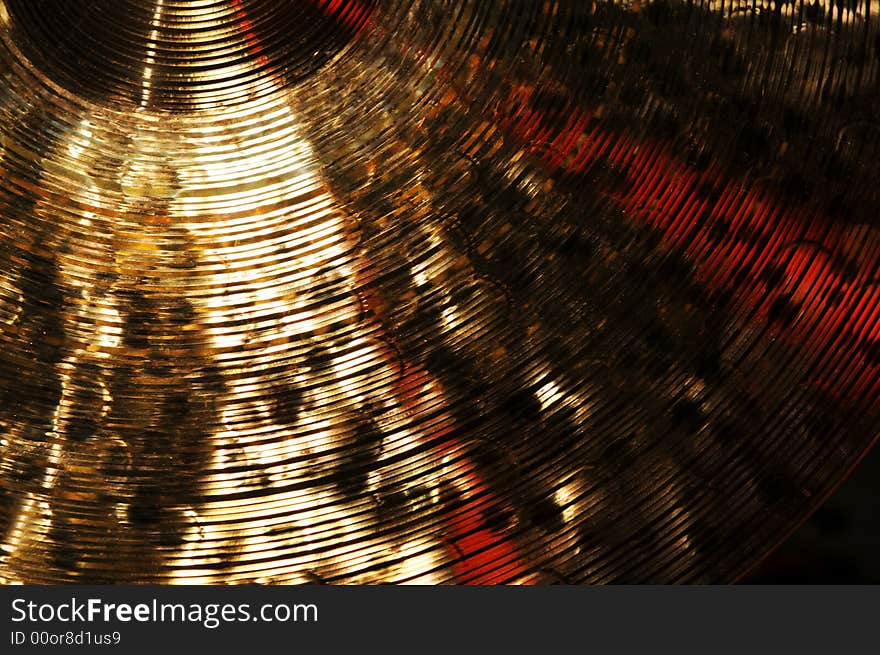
(431, 291)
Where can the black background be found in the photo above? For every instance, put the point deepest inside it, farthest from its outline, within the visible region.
(840, 543)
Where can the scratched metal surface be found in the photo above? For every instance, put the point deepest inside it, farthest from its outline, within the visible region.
(431, 291)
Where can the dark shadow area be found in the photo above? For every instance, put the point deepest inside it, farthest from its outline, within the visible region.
(840, 544)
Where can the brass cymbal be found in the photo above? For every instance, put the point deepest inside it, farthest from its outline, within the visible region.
(483, 291)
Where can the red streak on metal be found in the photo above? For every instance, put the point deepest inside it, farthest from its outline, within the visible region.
(253, 41)
(352, 14)
(734, 240)
(479, 554)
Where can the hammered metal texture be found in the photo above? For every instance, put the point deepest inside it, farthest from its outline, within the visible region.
(431, 291)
